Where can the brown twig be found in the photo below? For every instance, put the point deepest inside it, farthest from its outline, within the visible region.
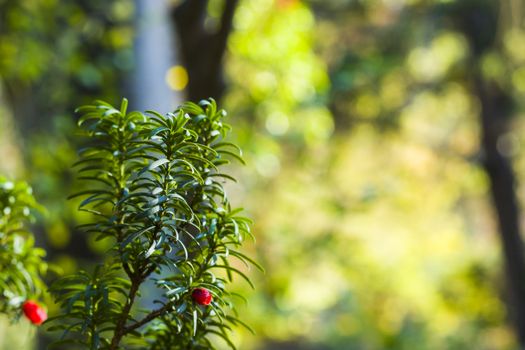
(151, 316)
(120, 329)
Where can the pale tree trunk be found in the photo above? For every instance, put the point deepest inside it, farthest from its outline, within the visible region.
(155, 52)
(11, 165)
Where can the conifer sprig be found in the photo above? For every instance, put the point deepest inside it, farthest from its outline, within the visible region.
(156, 191)
(21, 263)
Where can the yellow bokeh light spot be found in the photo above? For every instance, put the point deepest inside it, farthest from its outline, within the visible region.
(177, 78)
(367, 105)
(518, 79)
(513, 42)
(432, 62)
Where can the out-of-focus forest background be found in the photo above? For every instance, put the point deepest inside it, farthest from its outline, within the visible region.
(383, 140)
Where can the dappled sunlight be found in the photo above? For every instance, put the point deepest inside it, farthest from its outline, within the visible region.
(371, 237)
(369, 131)
(432, 62)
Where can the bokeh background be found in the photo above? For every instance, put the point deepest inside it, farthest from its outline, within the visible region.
(383, 140)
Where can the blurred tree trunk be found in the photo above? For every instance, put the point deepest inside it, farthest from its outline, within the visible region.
(498, 166)
(201, 49)
(11, 165)
(479, 22)
(155, 52)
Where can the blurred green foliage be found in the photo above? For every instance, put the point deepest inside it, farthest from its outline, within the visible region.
(53, 57)
(21, 263)
(366, 192)
(361, 136)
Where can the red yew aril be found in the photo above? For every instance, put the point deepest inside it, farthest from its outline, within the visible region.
(34, 312)
(201, 296)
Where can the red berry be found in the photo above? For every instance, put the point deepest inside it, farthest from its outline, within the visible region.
(201, 296)
(34, 312)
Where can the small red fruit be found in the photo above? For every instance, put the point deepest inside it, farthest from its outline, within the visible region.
(34, 312)
(201, 296)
